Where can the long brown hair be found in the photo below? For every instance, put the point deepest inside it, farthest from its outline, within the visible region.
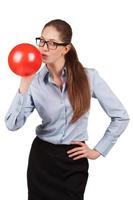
(77, 83)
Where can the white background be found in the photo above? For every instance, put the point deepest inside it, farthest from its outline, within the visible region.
(103, 37)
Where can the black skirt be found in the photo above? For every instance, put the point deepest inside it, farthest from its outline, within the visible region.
(52, 175)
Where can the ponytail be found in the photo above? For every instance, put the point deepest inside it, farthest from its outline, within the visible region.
(78, 87)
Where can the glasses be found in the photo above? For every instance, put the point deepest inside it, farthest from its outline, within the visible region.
(50, 44)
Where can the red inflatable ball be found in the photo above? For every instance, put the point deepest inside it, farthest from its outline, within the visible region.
(24, 59)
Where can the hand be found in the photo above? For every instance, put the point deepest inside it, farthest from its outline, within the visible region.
(83, 151)
(25, 83)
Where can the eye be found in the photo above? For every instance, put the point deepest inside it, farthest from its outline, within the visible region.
(51, 43)
(41, 40)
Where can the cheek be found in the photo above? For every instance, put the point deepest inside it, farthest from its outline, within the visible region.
(56, 55)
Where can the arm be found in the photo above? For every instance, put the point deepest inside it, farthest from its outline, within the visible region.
(21, 107)
(114, 109)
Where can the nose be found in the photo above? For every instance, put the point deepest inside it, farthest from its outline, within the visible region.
(45, 47)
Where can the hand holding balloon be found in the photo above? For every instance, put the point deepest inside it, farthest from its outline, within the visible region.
(25, 83)
(24, 59)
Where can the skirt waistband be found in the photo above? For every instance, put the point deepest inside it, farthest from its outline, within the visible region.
(60, 148)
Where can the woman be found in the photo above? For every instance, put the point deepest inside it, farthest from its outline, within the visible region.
(61, 93)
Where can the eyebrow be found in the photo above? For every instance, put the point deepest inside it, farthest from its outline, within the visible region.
(49, 39)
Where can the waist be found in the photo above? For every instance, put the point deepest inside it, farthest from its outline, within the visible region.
(57, 148)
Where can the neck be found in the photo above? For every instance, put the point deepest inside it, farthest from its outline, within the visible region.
(55, 69)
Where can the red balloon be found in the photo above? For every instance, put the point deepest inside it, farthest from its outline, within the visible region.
(24, 59)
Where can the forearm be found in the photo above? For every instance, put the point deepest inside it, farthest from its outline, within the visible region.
(113, 132)
(21, 107)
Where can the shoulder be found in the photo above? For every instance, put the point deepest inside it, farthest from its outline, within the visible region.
(91, 73)
(94, 77)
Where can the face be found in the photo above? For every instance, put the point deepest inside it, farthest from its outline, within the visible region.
(50, 56)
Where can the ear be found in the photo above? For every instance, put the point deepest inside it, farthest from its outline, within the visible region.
(67, 48)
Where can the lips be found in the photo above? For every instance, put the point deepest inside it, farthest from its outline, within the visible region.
(44, 56)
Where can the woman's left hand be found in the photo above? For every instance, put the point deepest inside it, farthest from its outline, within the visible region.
(83, 151)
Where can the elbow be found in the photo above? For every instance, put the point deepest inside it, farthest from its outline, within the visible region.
(14, 122)
(10, 127)
(125, 116)
(126, 121)
(122, 121)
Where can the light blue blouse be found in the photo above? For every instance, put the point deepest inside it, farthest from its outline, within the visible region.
(55, 110)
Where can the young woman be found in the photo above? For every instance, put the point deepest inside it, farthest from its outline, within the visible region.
(61, 93)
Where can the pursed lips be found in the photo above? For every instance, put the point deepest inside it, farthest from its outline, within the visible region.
(44, 56)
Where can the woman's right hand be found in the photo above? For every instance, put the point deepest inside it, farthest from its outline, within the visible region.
(25, 83)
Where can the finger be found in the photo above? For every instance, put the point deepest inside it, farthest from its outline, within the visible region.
(76, 153)
(79, 157)
(78, 142)
(74, 149)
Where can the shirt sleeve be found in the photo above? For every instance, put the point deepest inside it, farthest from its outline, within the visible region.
(114, 109)
(21, 107)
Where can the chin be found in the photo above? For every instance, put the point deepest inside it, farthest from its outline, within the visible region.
(45, 61)
(48, 62)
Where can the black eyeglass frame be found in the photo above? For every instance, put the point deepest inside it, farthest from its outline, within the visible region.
(56, 43)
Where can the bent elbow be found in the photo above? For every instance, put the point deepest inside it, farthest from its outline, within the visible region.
(126, 117)
(13, 126)
(10, 127)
